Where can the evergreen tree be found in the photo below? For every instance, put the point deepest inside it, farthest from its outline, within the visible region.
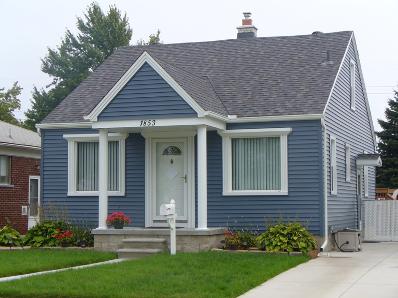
(387, 175)
(78, 55)
(9, 102)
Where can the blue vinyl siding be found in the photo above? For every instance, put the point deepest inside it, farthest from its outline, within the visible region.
(146, 95)
(352, 128)
(85, 209)
(304, 202)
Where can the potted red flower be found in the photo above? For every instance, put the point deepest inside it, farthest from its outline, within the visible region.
(64, 237)
(118, 220)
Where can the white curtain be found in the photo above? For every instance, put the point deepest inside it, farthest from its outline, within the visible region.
(113, 166)
(256, 163)
(4, 169)
(87, 166)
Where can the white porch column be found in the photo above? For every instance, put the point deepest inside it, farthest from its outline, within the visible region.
(202, 177)
(103, 178)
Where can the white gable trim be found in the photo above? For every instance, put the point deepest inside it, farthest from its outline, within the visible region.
(354, 44)
(358, 64)
(338, 73)
(144, 58)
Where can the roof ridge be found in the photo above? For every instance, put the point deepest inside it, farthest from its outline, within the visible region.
(233, 39)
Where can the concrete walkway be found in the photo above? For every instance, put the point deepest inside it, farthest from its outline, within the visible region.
(373, 272)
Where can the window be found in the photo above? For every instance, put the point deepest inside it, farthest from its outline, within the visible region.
(347, 163)
(333, 166)
(255, 162)
(87, 166)
(5, 166)
(366, 179)
(352, 83)
(83, 165)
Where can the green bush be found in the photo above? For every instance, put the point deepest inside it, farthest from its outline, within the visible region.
(82, 236)
(10, 237)
(58, 233)
(286, 237)
(44, 233)
(239, 239)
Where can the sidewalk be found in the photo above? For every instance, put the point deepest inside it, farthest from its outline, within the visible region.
(373, 272)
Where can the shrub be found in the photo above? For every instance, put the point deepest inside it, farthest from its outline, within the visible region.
(64, 237)
(239, 239)
(44, 233)
(286, 237)
(57, 233)
(82, 236)
(10, 237)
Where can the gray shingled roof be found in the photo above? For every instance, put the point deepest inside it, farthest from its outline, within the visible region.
(15, 136)
(264, 76)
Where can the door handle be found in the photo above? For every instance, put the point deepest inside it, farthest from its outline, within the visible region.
(184, 177)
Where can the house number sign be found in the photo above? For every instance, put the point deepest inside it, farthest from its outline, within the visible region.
(148, 123)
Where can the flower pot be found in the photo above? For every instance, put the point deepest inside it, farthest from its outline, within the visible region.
(118, 225)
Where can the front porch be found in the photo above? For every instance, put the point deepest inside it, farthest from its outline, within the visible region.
(188, 240)
(175, 168)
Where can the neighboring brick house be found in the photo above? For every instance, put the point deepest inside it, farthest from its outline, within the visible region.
(19, 176)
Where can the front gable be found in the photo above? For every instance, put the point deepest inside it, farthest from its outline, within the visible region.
(146, 95)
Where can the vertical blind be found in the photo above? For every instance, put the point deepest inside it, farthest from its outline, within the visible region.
(4, 169)
(87, 166)
(113, 166)
(256, 163)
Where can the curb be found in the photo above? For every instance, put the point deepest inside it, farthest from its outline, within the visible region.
(16, 277)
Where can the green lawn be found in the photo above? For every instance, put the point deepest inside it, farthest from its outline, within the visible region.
(208, 274)
(14, 262)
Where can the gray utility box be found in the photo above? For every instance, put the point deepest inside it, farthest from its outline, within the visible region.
(348, 240)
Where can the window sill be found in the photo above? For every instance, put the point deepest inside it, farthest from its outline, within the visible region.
(255, 193)
(7, 185)
(94, 194)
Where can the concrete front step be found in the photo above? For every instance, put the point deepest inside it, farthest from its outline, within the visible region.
(159, 243)
(136, 253)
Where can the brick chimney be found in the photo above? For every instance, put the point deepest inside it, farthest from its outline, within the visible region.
(247, 30)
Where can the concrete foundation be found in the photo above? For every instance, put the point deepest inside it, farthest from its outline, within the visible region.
(188, 240)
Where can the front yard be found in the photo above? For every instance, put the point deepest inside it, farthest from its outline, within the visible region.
(15, 262)
(207, 274)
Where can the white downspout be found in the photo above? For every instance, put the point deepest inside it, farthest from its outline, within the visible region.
(325, 186)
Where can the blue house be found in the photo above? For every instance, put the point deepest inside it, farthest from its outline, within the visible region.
(242, 131)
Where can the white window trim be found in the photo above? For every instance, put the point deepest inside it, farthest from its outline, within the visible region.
(347, 163)
(333, 161)
(253, 133)
(72, 154)
(352, 84)
(366, 179)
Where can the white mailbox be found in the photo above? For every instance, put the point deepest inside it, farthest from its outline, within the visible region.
(167, 209)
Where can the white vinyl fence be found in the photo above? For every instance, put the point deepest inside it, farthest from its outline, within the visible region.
(381, 220)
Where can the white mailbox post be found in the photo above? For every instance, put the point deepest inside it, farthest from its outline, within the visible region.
(169, 210)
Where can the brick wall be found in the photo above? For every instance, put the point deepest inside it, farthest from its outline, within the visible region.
(14, 197)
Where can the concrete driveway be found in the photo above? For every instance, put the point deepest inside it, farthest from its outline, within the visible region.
(373, 272)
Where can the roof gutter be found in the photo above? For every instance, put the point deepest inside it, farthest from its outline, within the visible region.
(237, 119)
(12, 145)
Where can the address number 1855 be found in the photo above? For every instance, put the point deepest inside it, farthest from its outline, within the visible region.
(148, 123)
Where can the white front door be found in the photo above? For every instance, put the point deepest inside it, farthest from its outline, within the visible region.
(170, 179)
(34, 201)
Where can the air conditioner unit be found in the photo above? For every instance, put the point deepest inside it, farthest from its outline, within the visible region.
(348, 240)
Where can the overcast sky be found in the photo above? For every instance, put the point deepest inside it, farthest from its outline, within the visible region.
(27, 28)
